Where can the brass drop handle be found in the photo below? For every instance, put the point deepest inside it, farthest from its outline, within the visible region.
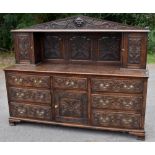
(35, 81)
(104, 85)
(18, 80)
(123, 50)
(41, 96)
(56, 106)
(72, 83)
(19, 94)
(40, 113)
(67, 83)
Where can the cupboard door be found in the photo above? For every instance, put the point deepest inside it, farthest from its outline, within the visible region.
(134, 50)
(71, 106)
(24, 49)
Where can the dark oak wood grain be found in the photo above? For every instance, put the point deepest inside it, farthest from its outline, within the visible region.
(87, 73)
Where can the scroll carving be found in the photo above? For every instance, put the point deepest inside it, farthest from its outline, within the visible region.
(28, 80)
(117, 85)
(31, 111)
(134, 50)
(24, 46)
(70, 83)
(116, 120)
(31, 95)
(117, 102)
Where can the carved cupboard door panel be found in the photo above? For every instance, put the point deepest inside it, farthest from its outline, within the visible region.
(71, 107)
(109, 47)
(23, 44)
(134, 50)
(80, 47)
(53, 46)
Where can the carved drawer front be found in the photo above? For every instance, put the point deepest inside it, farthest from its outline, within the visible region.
(117, 85)
(115, 119)
(70, 82)
(71, 106)
(123, 102)
(28, 80)
(30, 111)
(30, 95)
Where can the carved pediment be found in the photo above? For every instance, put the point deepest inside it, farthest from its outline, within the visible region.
(83, 22)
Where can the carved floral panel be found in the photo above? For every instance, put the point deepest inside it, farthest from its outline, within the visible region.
(109, 48)
(117, 85)
(30, 95)
(70, 82)
(134, 50)
(71, 106)
(24, 46)
(117, 102)
(80, 47)
(53, 47)
(113, 119)
(30, 111)
(28, 80)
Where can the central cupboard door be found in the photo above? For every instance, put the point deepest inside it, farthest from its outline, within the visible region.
(71, 107)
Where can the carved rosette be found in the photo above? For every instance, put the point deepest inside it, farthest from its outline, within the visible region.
(31, 95)
(30, 111)
(119, 120)
(117, 85)
(117, 102)
(28, 80)
(70, 83)
(134, 50)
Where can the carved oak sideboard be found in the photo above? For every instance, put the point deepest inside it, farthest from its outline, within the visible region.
(80, 72)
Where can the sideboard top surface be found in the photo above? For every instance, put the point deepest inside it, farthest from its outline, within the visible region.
(82, 24)
(80, 69)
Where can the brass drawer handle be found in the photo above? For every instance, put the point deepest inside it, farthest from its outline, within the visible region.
(70, 83)
(18, 80)
(67, 83)
(40, 112)
(41, 96)
(19, 94)
(37, 81)
(56, 106)
(104, 86)
(21, 111)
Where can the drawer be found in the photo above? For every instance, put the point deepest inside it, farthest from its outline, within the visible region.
(117, 85)
(30, 111)
(69, 82)
(122, 102)
(116, 119)
(30, 95)
(28, 80)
